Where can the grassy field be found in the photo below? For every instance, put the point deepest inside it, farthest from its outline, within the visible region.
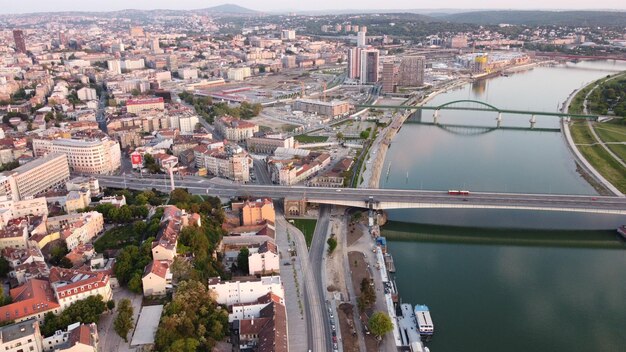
(303, 138)
(307, 226)
(117, 238)
(598, 157)
(613, 132)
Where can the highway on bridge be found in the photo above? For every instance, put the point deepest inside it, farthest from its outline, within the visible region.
(383, 198)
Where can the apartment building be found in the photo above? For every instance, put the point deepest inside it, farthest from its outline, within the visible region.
(134, 106)
(231, 162)
(96, 156)
(77, 229)
(21, 337)
(245, 291)
(157, 278)
(255, 212)
(234, 129)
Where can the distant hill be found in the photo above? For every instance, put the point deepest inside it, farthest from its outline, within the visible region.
(230, 9)
(566, 18)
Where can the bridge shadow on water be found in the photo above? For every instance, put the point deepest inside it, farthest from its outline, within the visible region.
(403, 231)
(461, 129)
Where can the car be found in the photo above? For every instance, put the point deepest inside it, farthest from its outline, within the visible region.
(594, 198)
(339, 190)
(331, 316)
(335, 346)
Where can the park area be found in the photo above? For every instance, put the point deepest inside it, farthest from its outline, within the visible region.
(117, 238)
(307, 227)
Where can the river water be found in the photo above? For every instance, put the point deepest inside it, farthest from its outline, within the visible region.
(506, 280)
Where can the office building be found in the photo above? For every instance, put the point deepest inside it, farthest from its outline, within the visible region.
(288, 34)
(267, 144)
(83, 156)
(361, 39)
(333, 108)
(412, 71)
(71, 285)
(369, 66)
(20, 44)
(238, 73)
(354, 63)
(390, 73)
(35, 177)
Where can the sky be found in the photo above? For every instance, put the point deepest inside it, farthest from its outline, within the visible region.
(26, 6)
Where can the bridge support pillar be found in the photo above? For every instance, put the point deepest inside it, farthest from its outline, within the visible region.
(499, 119)
(436, 117)
(533, 121)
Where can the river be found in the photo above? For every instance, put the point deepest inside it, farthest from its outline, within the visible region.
(506, 280)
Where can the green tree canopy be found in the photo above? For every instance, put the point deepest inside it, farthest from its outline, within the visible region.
(380, 324)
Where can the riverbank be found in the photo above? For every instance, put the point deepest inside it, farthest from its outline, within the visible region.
(594, 158)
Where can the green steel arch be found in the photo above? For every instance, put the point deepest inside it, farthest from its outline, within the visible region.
(468, 101)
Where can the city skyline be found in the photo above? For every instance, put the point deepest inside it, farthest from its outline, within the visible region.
(282, 6)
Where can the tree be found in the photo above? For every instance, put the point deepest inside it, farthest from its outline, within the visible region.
(135, 92)
(380, 324)
(185, 345)
(192, 313)
(332, 244)
(5, 268)
(110, 304)
(86, 311)
(242, 259)
(368, 296)
(339, 135)
(124, 321)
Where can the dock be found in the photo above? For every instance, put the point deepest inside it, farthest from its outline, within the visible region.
(409, 334)
(391, 267)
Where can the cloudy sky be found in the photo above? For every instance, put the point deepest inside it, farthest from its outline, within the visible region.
(22, 6)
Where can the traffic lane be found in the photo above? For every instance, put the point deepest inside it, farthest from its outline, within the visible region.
(395, 192)
(393, 195)
(570, 202)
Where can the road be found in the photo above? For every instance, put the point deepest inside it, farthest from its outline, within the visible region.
(316, 259)
(402, 198)
(293, 272)
(261, 173)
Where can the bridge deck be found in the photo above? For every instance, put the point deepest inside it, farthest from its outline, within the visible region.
(504, 111)
(388, 198)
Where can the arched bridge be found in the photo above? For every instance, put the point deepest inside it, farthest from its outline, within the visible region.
(483, 107)
(486, 105)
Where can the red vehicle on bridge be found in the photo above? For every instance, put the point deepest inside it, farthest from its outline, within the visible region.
(458, 193)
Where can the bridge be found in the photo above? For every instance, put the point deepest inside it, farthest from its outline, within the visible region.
(482, 107)
(381, 199)
(580, 57)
